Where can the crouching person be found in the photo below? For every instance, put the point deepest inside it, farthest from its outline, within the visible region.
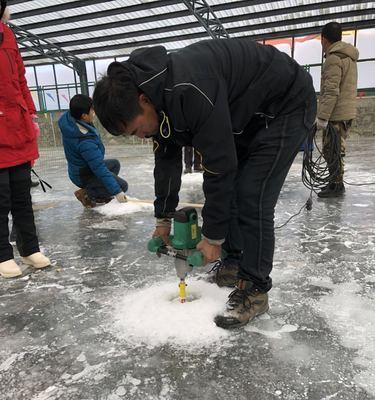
(96, 177)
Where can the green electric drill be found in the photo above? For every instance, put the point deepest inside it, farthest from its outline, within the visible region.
(186, 236)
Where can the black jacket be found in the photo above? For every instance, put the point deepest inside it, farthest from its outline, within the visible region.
(210, 91)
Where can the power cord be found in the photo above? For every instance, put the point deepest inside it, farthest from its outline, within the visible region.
(318, 173)
(307, 205)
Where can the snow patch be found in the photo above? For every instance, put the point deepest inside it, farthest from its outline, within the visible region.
(114, 208)
(48, 394)
(155, 317)
(194, 178)
(111, 225)
(276, 334)
(5, 365)
(352, 317)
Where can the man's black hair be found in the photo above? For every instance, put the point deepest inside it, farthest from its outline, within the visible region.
(80, 104)
(116, 99)
(332, 32)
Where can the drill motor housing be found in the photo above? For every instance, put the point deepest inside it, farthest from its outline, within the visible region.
(186, 232)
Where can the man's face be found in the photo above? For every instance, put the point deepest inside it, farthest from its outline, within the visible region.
(146, 123)
(325, 44)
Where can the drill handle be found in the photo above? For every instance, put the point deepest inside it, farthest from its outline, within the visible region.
(196, 259)
(155, 244)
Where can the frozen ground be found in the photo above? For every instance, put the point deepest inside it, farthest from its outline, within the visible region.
(104, 323)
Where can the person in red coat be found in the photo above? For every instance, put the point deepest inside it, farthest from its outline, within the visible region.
(18, 148)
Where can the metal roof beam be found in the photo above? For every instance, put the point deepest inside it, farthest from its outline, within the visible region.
(198, 35)
(207, 18)
(102, 14)
(139, 7)
(14, 2)
(47, 49)
(305, 20)
(58, 7)
(140, 20)
(190, 25)
(264, 36)
(312, 30)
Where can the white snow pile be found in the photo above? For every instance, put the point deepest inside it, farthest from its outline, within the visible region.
(154, 316)
(114, 208)
(352, 317)
(194, 178)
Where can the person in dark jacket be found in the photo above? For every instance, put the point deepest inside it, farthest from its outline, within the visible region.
(246, 108)
(84, 150)
(18, 149)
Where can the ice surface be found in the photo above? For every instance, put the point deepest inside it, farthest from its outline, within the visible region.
(352, 316)
(101, 323)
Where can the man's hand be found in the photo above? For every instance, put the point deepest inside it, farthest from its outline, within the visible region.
(121, 198)
(210, 252)
(163, 232)
(321, 123)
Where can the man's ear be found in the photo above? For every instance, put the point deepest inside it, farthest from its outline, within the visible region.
(84, 117)
(143, 99)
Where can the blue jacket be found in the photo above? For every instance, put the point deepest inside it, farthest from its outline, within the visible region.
(84, 149)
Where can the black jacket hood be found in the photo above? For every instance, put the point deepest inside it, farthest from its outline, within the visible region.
(147, 68)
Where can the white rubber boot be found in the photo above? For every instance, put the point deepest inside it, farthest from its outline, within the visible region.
(10, 269)
(37, 260)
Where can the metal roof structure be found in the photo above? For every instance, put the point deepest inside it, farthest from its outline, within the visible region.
(91, 29)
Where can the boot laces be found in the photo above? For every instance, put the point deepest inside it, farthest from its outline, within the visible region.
(219, 264)
(239, 297)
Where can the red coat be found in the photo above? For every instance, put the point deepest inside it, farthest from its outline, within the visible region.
(18, 136)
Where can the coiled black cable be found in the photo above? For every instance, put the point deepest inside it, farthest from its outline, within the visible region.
(318, 173)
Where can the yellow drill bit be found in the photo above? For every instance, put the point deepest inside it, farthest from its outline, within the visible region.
(182, 286)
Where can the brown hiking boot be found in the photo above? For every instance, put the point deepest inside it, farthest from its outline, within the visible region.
(83, 197)
(244, 304)
(225, 273)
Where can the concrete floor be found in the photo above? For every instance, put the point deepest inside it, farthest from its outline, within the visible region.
(317, 342)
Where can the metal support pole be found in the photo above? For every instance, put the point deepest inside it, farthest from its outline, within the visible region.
(80, 67)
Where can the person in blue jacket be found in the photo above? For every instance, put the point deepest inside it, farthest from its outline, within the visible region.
(96, 177)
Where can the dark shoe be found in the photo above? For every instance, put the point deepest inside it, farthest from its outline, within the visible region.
(332, 190)
(225, 273)
(34, 184)
(188, 170)
(83, 197)
(244, 304)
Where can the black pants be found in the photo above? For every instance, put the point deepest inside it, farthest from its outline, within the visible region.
(15, 198)
(263, 167)
(94, 186)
